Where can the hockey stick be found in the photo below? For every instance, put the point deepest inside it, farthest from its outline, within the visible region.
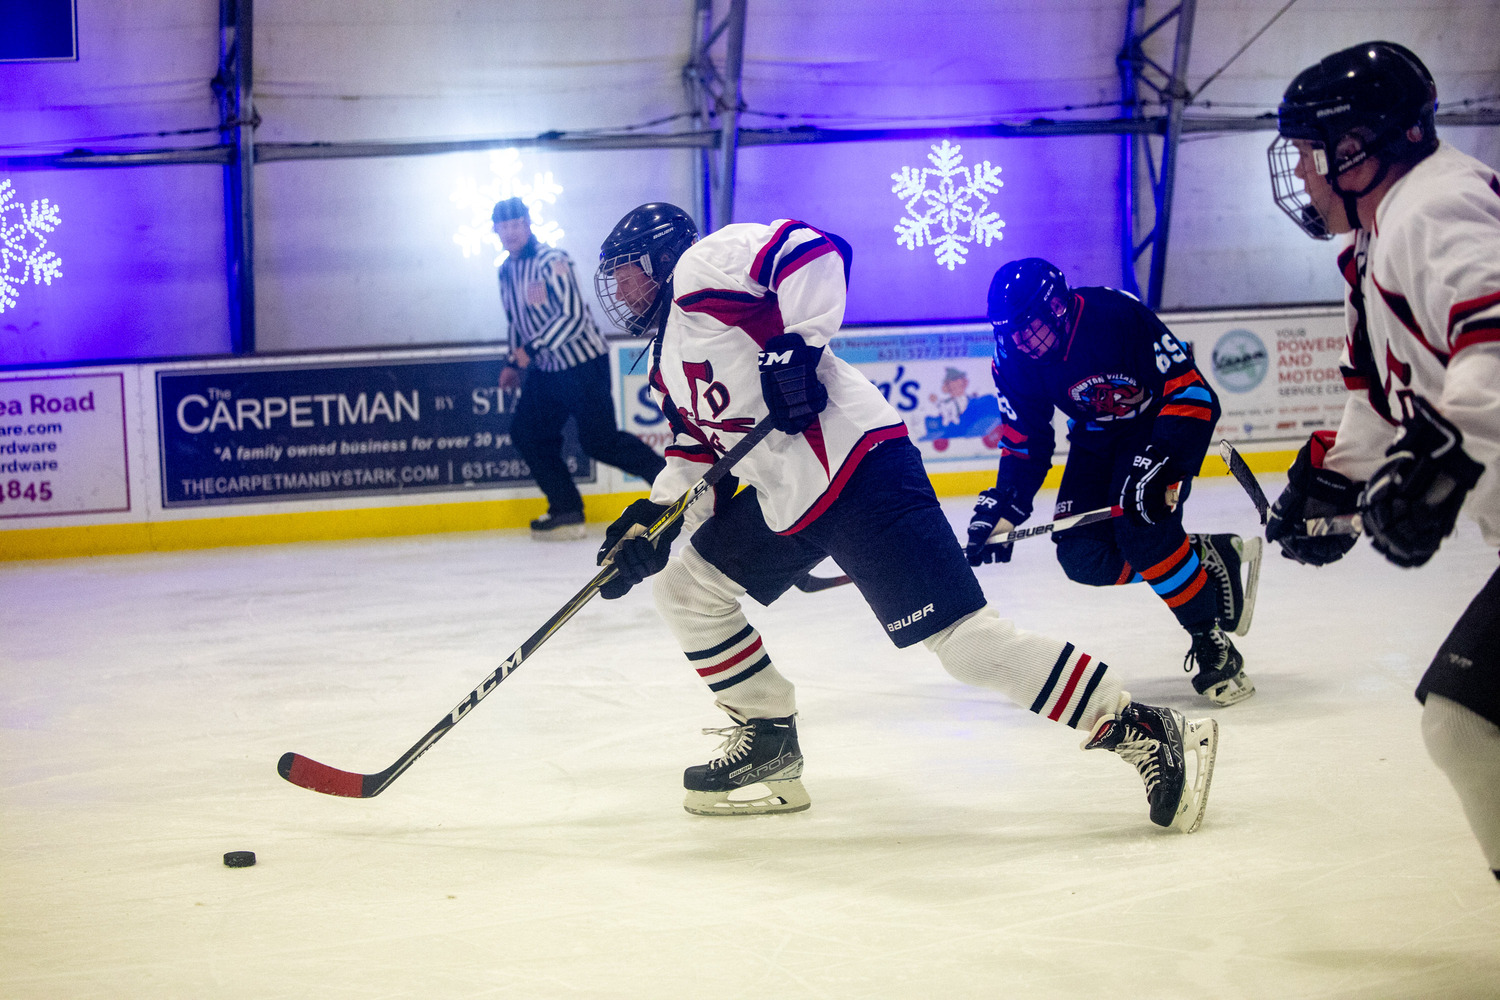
(1061, 524)
(1064, 523)
(810, 584)
(1242, 474)
(308, 773)
(1338, 524)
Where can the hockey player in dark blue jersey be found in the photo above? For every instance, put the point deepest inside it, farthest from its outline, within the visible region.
(1140, 420)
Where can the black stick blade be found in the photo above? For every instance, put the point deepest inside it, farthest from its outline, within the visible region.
(308, 773)
(810, 584)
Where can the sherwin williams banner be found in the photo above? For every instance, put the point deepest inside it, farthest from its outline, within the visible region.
(243, 435)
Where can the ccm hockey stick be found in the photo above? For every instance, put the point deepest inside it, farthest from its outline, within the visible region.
(1338, 524)
(308, 773)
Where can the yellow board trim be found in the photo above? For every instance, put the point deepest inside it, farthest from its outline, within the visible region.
(416, 519)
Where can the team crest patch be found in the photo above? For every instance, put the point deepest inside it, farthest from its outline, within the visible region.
(1110, 397)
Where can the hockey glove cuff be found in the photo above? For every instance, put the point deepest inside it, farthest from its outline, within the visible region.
(635, 556)
(1143, 494)
(1412, 502)
(789, 382)
(1312, 491)
(997, 509)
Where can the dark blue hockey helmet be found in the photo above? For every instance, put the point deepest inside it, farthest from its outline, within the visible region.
(636, 264)
(1030, 307)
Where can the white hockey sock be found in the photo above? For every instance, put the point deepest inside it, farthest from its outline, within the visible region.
(702, 608)
(1466, 746)
(1051, 678)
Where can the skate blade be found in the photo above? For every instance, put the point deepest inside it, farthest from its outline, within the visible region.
(562, 533)
(759, 799)
(1200, 739)
(1230, 692)
(1250, 555)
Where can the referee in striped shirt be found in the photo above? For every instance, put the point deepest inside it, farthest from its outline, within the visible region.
(560, 363)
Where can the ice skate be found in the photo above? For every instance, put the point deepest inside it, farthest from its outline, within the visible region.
(757, 770)
(1175, 758)
(1223, 557)
(565, 526)
(1221, 669)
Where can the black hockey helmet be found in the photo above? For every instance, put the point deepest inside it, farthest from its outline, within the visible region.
(1375, 99)
(652, 238)
(1030, 307)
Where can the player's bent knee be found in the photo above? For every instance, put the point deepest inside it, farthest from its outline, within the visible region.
(1462, 743)
(691, 586)
(969, 648)
(1089, 561)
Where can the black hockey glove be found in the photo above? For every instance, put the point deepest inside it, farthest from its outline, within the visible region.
(997, 507)
(1412, 501)
(1143, 494)
(635, 556)
(1312, 491)
(789, 382)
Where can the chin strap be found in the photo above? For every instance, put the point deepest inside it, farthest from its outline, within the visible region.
(1351, 198)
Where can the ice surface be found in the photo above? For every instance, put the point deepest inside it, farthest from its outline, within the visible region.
(957, 846)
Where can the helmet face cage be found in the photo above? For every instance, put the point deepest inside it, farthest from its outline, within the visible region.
(628, 308)
(636, 264)
(1042, 330)
(1290, 193)
(1030, 307)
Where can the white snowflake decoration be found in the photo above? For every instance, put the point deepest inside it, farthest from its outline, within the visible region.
(476, 200)
(953, 213)
(23, 242)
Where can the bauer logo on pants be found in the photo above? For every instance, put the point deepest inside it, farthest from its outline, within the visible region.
(915, 616)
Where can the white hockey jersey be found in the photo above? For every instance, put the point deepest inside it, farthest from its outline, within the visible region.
(1423, 314)
(732, 292)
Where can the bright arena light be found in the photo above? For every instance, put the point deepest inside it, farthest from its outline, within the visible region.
(475, 199)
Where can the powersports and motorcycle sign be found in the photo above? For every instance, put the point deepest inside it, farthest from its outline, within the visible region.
(252, 434)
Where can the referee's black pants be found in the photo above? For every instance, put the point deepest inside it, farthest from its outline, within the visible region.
(582, 392)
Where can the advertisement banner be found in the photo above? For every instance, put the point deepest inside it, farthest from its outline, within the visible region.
(1277, 376)
(254, 434)
(62, 445)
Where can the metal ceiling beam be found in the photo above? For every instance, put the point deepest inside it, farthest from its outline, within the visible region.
(705, 139)
(1139, 169)
(715, 100)
(233, 85)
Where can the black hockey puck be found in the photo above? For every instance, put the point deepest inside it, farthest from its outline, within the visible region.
(239, 859)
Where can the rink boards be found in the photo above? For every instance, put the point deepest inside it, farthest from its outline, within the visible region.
(113, 458)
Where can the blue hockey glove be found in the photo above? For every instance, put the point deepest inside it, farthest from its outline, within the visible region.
(635, 556)
(1412, 501)
(1312, 491)
(1143, 493)
(789, 382)
(997, 507)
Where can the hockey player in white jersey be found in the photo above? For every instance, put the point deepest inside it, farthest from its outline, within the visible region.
(1358, 154)
(740, 325)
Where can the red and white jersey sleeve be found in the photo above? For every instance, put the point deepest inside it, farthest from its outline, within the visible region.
(1429, 272)
(733, 291)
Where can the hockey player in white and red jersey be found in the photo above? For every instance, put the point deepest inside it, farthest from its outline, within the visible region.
(740, 325)
(1420, 436)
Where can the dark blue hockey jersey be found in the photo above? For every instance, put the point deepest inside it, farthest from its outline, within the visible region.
(1118, 369)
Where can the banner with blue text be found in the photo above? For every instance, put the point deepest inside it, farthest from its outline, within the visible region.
(251, 434)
